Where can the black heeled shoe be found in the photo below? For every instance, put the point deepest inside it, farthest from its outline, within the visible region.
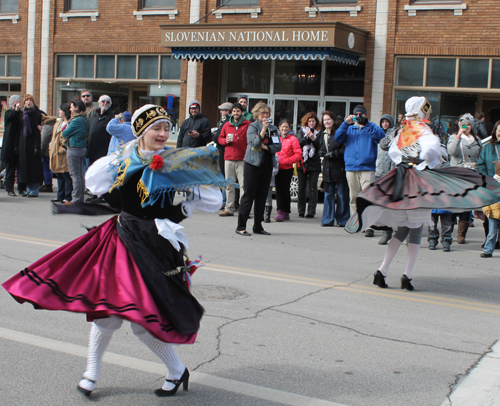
(406, 283)
(184, 380)
(379, 280)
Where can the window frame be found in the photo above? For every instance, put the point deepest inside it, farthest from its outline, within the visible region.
(67, 8)
(142, 7)
(6, 66)
(115, 78)
(10, 13)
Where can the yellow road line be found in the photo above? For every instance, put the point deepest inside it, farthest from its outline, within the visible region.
(303, 280)
(413, 297)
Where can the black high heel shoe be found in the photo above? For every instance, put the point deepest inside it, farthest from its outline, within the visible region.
(184, 380)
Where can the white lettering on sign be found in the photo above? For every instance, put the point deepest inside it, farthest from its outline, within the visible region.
(246, 36)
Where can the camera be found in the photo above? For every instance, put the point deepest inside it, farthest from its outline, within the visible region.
(270, 120)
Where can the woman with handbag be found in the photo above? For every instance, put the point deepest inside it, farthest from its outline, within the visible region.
(464, 148)
(76, 136)
(57, 155)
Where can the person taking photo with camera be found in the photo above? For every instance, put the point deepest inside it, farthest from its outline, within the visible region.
(361, 138)
(263, 141)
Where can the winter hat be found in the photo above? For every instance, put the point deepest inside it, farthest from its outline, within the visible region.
(467, 119)
(242, 96)
(226, 106)
(417, 107)
(146, 116)
(28, 96)
(127, 117)
(360, 109)
(195, 103)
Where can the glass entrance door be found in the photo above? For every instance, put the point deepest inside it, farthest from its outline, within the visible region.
(293, 109)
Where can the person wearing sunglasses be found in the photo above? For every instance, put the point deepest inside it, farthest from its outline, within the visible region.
(361, 138)
(98, 137)
(86, 98)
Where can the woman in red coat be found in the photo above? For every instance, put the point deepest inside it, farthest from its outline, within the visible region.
(290, 153)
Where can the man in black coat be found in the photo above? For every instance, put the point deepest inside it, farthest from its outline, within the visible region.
(10, 144)
(30, 169)
(195, 131)
(99, 138)
(98, 141)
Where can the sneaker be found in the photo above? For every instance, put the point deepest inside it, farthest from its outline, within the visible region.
(287, 216)
(369, 232)
(379, 280)
(309, 216)
(406, 283)
(485, 255)
(225, 213)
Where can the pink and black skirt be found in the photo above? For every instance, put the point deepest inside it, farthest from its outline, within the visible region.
(121, 268)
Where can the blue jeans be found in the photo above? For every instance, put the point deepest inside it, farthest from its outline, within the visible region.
(489, 245)
(76, 162)
(336, 208)
(33, 188)
(47, 173)
(64, 186)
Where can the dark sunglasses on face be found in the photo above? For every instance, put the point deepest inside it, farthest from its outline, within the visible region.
(104, 101)
(86, 95)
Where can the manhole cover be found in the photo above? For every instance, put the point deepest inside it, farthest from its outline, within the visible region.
(217, 293)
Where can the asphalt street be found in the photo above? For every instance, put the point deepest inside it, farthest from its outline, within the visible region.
(291, 319)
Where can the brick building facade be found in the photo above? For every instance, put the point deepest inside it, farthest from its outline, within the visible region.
(446, 50)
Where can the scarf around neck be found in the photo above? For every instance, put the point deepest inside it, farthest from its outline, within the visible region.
(27, 130)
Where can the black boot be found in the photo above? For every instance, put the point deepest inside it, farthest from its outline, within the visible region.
(406, 283)
(267, 214)
(433, 241)
(379, 280)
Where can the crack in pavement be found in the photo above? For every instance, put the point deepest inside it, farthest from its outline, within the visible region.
(452, 386)
(376, 336)
(16, 259)
(218, 352)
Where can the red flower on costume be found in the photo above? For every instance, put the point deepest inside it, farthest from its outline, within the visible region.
(156, 162)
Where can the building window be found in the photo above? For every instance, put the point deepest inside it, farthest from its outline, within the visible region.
(126, 67)
(297, 77)
(170, 67)
(9, 6)
(135, 67)
(105, 66)
(344, 80)
(249, 76)
(155, 4)
(237, 3)
(338, 2)
(473, 73)
(65, 66)
(410, 72)
(77, 5)
(85, 66)
(14, 65)
(441, 72)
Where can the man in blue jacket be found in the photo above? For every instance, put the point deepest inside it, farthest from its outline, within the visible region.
(361, 138)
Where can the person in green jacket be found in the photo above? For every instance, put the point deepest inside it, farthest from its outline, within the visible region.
(75, 135)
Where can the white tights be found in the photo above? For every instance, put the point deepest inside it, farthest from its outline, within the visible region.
(100, 335)
(393, 246)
